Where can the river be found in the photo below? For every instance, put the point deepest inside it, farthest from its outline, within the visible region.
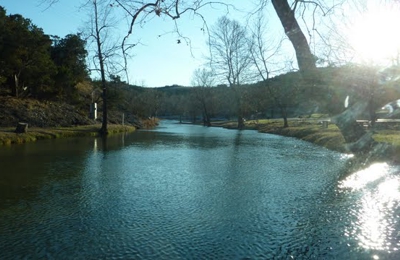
(190, 192)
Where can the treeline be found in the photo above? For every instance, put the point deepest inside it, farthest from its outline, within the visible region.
(286, 95)
(34, 64)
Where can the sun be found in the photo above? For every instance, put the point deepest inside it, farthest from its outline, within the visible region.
(375, 35)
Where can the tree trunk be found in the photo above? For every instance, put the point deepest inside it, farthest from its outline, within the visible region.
(285, 122)
(14, 90)
(305, 58)
(354, 134)
(206, 116)
(372, 113)
(284, 116)
(104, 124)
(208, 120)
(240, 122)
(104, 128)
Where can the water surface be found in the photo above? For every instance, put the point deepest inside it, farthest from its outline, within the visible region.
(189, 192)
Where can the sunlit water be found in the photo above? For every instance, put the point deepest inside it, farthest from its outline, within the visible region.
(189, 192)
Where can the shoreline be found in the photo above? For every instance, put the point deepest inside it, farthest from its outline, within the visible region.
(307, 130)
(9, 137)
(387, 141)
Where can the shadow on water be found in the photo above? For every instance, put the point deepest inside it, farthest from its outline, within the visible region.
(184, 191)
(27, 168)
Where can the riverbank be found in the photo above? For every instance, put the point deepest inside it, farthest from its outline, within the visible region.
(311, 130)
(8, 135)
(50, 120)
(307, 130)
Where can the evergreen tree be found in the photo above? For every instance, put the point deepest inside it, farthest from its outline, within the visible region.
(69, 56)
(27, 67)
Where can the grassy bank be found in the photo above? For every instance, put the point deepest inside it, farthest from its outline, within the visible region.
(8, 136)
(312, 131)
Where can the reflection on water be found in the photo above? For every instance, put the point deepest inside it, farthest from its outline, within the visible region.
(362, 178)
(95, 148)
(376, 217)
(189, 192)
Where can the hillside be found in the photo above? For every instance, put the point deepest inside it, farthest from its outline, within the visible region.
(40, 114)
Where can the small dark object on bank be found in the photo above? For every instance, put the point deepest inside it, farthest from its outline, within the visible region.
(21, 128)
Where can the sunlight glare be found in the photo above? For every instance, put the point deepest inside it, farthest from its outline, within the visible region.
(375, 36)
(361, 178)
(380, 194)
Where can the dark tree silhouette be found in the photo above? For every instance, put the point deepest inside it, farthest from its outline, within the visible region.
(305, 59)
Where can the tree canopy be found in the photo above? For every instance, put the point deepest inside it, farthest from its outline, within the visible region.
(36, 64)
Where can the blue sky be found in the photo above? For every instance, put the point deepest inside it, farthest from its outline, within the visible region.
(157, 61)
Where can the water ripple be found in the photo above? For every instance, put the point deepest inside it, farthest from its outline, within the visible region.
(201, 193)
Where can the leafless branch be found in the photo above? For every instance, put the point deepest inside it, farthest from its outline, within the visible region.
(174, 9)
(48, 3)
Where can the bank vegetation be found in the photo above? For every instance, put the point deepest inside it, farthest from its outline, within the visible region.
(45, 82)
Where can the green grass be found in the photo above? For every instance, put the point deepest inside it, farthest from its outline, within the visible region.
(308, 130)
(312, 131)
(388, 136)
(8, 137)
(330, 137)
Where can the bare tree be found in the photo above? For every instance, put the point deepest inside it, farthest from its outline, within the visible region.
(140, 12)
(307, 61)
(286, 14)
(230, 57)
(151, 101)
(262, 53)
(310, 25)
(203, 80)
(99, 33)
